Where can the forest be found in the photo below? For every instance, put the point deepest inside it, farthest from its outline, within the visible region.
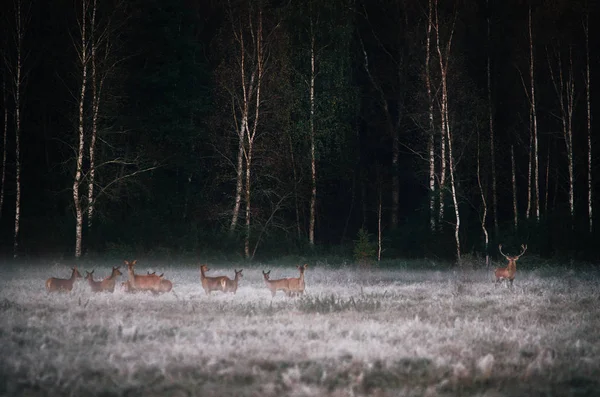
(257, 129)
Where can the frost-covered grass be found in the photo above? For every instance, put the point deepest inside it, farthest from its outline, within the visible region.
(382, 332)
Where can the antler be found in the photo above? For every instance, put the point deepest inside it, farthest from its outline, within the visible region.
(500, 249)
(524, 248)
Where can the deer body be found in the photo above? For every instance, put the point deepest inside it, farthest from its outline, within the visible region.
(54, 284)
(277, 285)
(296, 285)
(232, 285)
(139, 282)
(211, 283)
(508, 272)
(96, 286)
(108, 284)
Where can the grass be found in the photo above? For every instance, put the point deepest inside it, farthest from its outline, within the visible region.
(384, 332)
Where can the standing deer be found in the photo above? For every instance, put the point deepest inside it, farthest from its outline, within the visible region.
(96, 286)
(211, 283)
(164, 284)
(297, 284)
(232, 285)
(277, 285)
(139, 282)
(62, 285)
(108, 284)
(508, 272)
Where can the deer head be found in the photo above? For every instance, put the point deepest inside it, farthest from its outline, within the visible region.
(513, 259)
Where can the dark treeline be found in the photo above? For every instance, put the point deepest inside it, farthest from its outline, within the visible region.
(269, 128)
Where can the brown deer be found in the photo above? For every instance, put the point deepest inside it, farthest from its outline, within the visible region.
(211, 284)
(108, 284)
(96, 286)
(508, 272)
(139, 282)
(296, 285)
(232, 285)
(164, 284)
(277, 285)
(54, 284)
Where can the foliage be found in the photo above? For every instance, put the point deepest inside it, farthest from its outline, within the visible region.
(364, 248)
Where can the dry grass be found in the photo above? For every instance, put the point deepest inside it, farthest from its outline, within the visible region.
(381, 333)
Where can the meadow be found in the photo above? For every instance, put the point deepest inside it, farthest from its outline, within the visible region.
(378, 332)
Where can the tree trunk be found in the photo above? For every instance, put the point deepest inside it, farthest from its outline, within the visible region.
(483, 204)
(589, 124)
(4, 151)
(248, 201)
(95, 111)
(534, 118)
(18, 84)
(379, 231)
(237, 201)
(514, 188)
(444, 57)
(83, 58)
(313, 160)
(431, 132)
(565, 93)
(251, 135)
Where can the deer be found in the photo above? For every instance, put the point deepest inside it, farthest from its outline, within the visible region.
(508, 272)
(232, 285)
(54, 284)
(108, 284)
(139, 282)
(211, 283)
(164, 285)
(96, 286)
(296, 285)
(277, 285)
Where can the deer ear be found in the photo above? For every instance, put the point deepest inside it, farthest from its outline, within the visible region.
(133, 262)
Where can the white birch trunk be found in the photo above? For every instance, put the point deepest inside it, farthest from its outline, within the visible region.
(483, 204)
(379, 231)
(95, 111)
(83, 58)
(589, 125)
(431, 134)
(534, 118)
(251, 135)
(444, 57)
(18, 83)
(565, 92)
(313, 160)
(514, 188)
(529, 168)
(4, 151)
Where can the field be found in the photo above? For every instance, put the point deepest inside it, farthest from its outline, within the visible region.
(384, 332)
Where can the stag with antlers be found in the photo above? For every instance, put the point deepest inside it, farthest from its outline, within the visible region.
(508, 272)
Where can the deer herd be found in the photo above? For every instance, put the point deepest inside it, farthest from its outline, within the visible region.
(157, 284)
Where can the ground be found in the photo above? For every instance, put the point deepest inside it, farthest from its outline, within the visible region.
(356, 332)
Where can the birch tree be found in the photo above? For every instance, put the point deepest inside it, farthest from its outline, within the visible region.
(443, 53)
(564, 86)
(586, 25)
(514, 188)
(431, 132)
(246, 91)
(83, 60)
(21, 18)
(4, 148)
(534, 132)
